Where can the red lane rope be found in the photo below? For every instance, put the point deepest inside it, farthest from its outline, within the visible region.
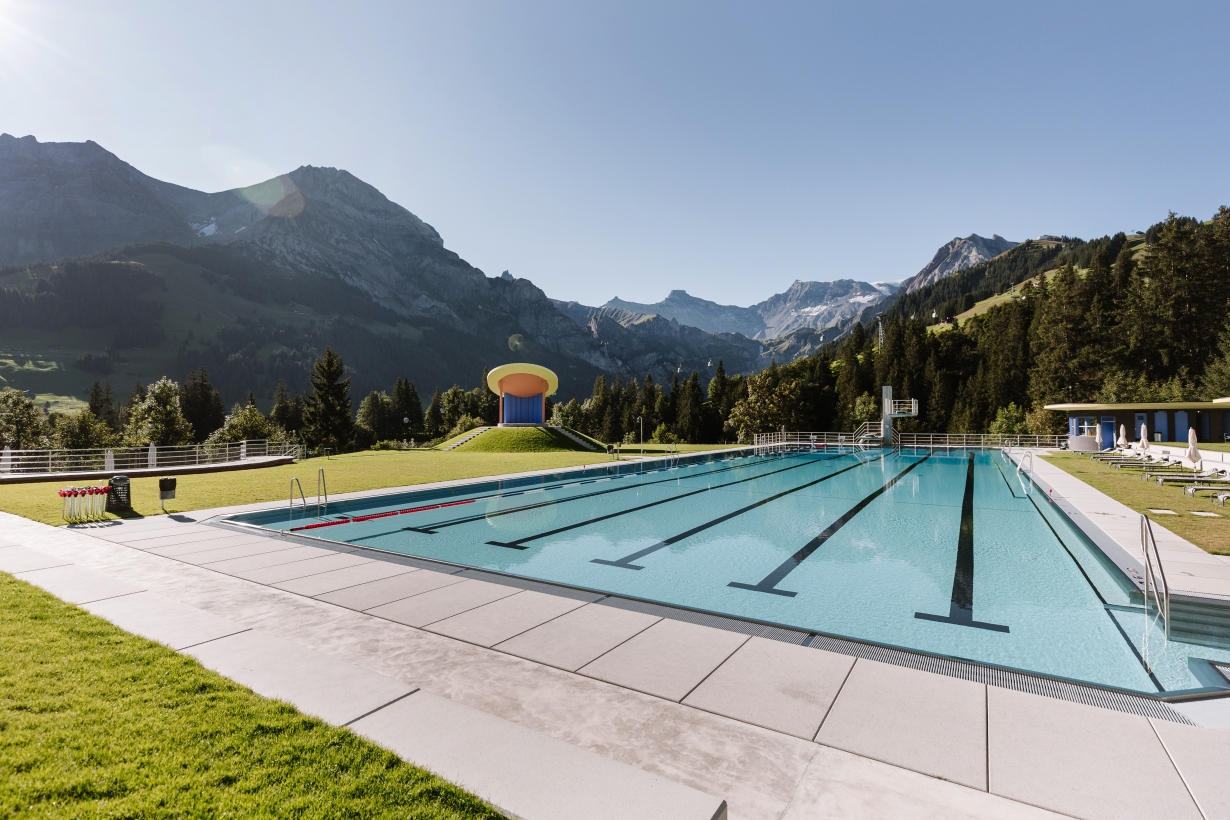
(358, 518)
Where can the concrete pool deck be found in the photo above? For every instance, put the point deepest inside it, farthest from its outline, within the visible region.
(557, 703)
(556, 706)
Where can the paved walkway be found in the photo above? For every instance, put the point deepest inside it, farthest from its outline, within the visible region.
(553, 706)
(1116, 530)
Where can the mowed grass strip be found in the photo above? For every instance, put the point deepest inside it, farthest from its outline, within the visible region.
(98, 723)
(1126, 487)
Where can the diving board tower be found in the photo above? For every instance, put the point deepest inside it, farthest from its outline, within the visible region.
(523, 390)
(890, 410)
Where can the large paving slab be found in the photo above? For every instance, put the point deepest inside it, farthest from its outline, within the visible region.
(668, 659)
(301, 569)
(444, 602)
(1203, 759)
(267, 559)
(337, 579)
(321, 685)
(78, 585)
(500, 620)
(844, 786)
(177, 549)
(377, 593)
(776, 685)
(1091, 763)
(152, 540)
(573, 640)
(525, 773)
(158, 618)
(210, 552)
(917, 720)
(24, 559)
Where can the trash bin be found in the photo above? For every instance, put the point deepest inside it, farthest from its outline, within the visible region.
(166, 488)
(118, 498)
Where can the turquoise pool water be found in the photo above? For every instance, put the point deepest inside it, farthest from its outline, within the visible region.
(948, 553)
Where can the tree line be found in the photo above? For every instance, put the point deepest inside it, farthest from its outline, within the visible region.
(1115, 321)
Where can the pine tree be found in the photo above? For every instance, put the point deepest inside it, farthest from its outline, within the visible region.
(407, 408)
(327, 419)
(287, 412)
(433, 422)
(201, 404)
(102, 405)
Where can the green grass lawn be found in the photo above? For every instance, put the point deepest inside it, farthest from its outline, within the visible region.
(1126, 487)
(367, 470)
(96, 722)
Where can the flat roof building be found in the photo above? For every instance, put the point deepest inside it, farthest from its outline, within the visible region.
(1166, 420)
(523, 389)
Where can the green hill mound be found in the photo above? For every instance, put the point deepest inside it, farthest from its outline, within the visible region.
(520, 440)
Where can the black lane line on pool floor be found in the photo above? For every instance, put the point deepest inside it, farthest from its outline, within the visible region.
(769, 582)
(520, 543)
(431, 529)
(1106, 606)
(626, 561)
(961, 608)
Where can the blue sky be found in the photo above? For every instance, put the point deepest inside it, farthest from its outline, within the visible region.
(628, 149)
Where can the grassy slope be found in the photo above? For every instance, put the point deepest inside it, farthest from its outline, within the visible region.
(520, 440)
(96, 722)
(356, 471)
(1126, 487)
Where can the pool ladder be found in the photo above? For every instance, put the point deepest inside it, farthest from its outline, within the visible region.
(322, 494)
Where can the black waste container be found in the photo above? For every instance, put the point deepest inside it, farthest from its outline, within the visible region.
(118, 498)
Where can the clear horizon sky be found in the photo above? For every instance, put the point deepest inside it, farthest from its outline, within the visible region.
(629, 149)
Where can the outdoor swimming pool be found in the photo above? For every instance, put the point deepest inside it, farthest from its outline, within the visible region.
(948, 553)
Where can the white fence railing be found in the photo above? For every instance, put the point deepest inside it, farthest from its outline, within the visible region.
(976, 441)
(122, 459)
(794, 441)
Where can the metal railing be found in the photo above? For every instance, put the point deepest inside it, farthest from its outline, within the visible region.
(767, 443)
(870, 431)
(1156, 586)
(124, 459)
(904, 407)
(977, 441)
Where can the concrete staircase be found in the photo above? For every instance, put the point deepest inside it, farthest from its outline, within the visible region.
(584, 443)
(467, 437)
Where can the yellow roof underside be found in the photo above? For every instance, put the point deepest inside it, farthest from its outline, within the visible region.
(494, 376)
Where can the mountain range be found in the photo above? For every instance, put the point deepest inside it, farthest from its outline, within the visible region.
(110, 273)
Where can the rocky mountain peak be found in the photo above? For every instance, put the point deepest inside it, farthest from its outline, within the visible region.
(957, 255)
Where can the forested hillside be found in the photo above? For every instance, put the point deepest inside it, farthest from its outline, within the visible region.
(1109, 324)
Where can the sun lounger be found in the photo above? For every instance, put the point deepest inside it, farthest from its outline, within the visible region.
(1195, 478)
(1219, 487)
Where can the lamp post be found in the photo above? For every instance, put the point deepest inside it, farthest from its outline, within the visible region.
(406, 427)
(641, 420)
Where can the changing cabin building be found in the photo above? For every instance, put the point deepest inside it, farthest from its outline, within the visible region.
(1165, 420)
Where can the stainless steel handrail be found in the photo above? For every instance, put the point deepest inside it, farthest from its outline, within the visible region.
(293, 482)
(321, 484)
(1160, 593)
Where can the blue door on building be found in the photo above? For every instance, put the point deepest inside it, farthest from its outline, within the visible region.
(1180, 425)
(1160, 425)
(1141, 419)
(1108, 432)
